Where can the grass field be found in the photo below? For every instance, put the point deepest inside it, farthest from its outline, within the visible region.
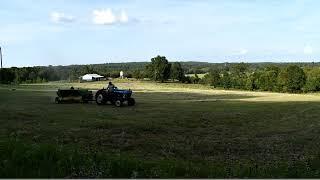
(175, 130)
(193, 75)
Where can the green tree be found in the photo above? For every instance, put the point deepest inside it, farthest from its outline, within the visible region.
(292, 79)
(138, 74)
(213, 78)
(176, 72)
(226, 80)
(17, 78)
(313, 80)
(282, 80)
(238, 75)
(268, 78)
(74, 74)
(252, 81)
(159, 69)
(195, 79)
(6, 76)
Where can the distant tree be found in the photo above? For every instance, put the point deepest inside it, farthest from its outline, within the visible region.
(213, 78)
(252, 81)
(226, 80)
(282, 80)
(268, 78)
(128, 75)
(195, 79)
(114, 74)
(195, 71)
(240, 68)
(32, 76)
(238, 75)
(292, 79)
(52, 74)
(74, 74)
(159, 69)
(313, 80)
(17, 78)
(6, 76)
(87, 70)
(23, 75)
(136, 74)
(38, 80)
(176, 72)
(186, 79)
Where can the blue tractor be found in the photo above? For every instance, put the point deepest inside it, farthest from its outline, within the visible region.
(116, 97)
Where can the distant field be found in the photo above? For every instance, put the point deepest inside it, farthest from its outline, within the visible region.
(193, 75)
(175, 130)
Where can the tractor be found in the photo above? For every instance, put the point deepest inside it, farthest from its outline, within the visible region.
(116, 97)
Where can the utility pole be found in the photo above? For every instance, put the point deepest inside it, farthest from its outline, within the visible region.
(1, 56)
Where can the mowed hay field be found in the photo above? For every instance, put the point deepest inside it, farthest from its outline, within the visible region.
(175, 130)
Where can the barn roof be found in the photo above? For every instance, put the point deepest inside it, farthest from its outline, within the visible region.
(93, 75)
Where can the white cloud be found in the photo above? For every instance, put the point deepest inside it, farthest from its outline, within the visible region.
(123, 17)
(241, 52)
(308, 50)
(104, 17)
(108, 17)
(58, 17)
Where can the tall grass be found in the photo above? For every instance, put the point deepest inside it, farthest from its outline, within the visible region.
(49, 161)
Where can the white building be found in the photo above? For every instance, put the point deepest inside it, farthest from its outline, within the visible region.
(92, 77)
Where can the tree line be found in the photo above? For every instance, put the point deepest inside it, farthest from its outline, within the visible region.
(41, 74)
(291, 78)
(277, 77)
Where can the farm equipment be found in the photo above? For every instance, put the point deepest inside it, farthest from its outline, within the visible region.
(116, 97)
(74, 96)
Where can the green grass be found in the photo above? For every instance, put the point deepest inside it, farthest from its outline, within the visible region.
(175, 130)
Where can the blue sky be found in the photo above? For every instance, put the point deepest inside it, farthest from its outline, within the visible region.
(63, 32)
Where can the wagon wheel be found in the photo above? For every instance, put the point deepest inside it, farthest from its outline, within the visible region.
(131, 102)
(118, 103)
(57, 100)
(84, 100)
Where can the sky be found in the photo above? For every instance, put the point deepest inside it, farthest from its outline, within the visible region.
(64, 32)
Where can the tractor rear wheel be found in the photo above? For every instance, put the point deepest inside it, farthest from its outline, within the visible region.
(131, 102)
(100, 100)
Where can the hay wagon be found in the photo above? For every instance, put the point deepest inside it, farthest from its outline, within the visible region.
(74, 96)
